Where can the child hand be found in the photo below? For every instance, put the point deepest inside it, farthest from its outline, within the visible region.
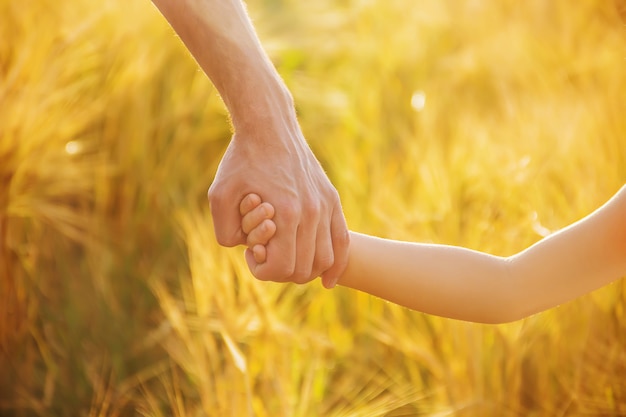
(257, 224)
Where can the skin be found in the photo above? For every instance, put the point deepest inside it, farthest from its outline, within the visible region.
(464, 284)
(268, 154)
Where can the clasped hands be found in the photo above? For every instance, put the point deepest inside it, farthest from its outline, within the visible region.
(309, 234)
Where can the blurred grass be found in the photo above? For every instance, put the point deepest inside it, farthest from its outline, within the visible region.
(117, 301)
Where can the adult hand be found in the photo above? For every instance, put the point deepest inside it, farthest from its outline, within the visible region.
(268, 154)
(277, 164)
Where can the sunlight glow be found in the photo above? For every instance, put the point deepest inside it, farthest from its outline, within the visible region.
(73, 147)
(418, 100)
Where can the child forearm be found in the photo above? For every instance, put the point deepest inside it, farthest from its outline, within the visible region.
(446, 281)
(574, 261)
(468, 285)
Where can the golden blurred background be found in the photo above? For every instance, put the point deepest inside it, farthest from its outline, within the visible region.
(486, 124)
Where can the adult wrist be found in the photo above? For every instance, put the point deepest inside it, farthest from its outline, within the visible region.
(266, 106)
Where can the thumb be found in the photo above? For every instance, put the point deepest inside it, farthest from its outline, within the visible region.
(252, 264)
(328, 281)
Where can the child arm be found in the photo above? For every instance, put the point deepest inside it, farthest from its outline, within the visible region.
(468, 285)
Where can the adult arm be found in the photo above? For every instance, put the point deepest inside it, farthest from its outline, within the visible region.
(468, 285)
(268, 154)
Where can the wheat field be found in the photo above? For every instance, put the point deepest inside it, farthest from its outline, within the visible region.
(487, 124)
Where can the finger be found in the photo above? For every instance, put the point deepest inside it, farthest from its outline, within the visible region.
(252, 263)
(324, 256)
(261, 234)
(281, 249)
(255, 258)
(248, 203)
(341, 243)
(255, 218)
(226, 217)
(260, 254)
(305, 247)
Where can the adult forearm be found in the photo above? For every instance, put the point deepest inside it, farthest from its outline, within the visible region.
(221, 38)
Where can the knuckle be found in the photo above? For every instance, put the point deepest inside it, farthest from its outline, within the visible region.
(289, 212)
(342, 239)
(301, 276)
(216, 198)
(274, 272)
(220, 240)
(325, 262)
(286, 274)
(297, 279)
(332, 197)
(311, 209)
(213, 192)
(262, 276)
(225, 240)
